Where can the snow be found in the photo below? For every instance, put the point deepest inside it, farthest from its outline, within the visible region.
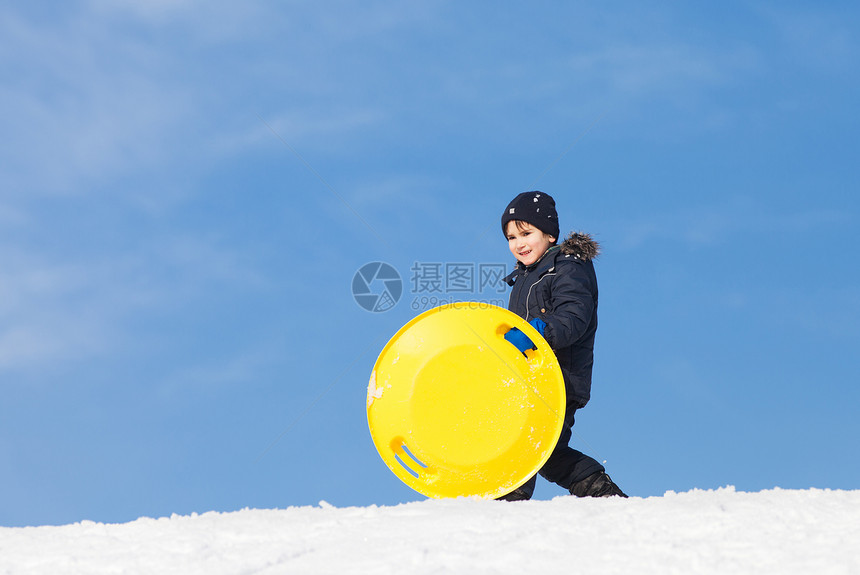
(373, 392)
(722, 531)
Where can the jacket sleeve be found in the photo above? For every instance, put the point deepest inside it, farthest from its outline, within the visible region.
(572, 303)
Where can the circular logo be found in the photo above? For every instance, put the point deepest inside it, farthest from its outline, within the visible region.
(377, 287)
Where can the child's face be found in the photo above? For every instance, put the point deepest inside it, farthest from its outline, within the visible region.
(527, 244)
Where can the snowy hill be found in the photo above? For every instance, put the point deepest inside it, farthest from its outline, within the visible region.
(723, 531)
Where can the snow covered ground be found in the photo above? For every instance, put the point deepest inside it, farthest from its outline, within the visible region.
(723, 531)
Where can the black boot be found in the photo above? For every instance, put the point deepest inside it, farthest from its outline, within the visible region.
(518, 494)
(522, 493)
(596, 485)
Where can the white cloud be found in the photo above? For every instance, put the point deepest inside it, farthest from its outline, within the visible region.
(410, 193)
(200, 21)
(821, 37)
(82, 105)
(50, 340)
(109, 90)
(55, 310)
(11, 216)
(301, 128)
(251, 366)
(48, 313)
(634, 70)
(714, 225)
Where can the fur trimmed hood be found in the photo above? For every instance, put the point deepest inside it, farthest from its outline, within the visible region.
(580, 245)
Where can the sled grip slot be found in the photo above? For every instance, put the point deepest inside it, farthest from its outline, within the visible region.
(529, 354)
(406, 458)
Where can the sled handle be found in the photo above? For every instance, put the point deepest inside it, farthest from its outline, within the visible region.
(538, 353)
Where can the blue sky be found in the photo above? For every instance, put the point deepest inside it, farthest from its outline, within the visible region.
(187, 190)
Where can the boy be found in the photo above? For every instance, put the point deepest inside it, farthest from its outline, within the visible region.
(555, 290)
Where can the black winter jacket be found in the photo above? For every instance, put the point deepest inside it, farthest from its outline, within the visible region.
(561, 289)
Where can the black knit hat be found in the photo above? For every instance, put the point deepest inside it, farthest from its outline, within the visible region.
(535, 208)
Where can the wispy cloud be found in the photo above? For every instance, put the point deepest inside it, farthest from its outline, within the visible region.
(95, 102)
(49, 312)
(108, 90)
(82, 104)
(820, 37)
(54, 311)
(711, 225)
(310, 126)
(254, 365)
(636, 70)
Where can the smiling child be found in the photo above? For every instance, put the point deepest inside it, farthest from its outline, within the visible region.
(554, 288)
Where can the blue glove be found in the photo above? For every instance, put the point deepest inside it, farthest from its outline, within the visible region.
(520, 340)
(538, 324)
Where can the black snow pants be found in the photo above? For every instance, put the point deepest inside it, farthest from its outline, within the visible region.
(564, 467)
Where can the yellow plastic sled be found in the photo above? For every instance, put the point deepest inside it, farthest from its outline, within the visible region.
(454, 409)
